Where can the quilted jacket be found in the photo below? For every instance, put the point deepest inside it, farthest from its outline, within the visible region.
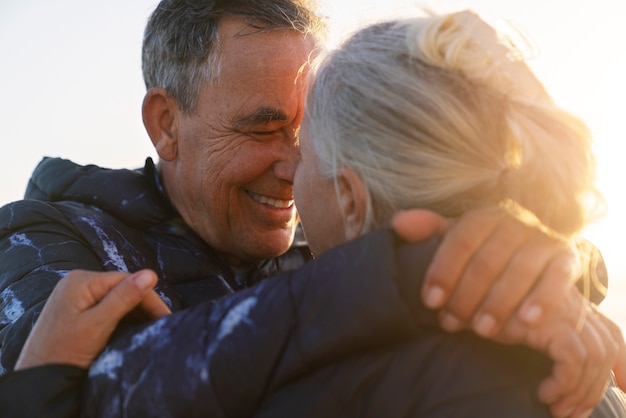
(346, 335)
(87, 217)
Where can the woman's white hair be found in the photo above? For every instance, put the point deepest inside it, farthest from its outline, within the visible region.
(441, 113)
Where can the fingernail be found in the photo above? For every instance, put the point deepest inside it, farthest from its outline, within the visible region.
(143, 280)
(450, 322)
(585, 414)
(434, 297)
(484, 325)
(531, 314)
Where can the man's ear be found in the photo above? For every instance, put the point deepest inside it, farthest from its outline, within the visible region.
(352, 202)
(159, 112)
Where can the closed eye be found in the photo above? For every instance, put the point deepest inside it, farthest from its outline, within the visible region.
(266, 133)
(263, 122)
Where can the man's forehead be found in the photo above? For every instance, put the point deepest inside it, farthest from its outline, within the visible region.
(241, 33)
(239, 25)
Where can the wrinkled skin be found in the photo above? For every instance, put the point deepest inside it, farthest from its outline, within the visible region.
(228, 167)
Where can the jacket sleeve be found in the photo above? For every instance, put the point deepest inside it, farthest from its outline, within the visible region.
(38, 246)
(45, 391)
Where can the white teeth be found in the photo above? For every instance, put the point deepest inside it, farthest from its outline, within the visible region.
(275, 203)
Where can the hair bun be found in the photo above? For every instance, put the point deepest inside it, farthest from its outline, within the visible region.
(465, 43)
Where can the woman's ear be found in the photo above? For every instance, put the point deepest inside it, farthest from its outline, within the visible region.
(159, 111)
(352, 202)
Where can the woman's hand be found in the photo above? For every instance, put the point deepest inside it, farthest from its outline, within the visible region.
(82, 312)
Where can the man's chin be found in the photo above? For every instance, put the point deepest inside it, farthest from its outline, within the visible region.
(273, 244)
(262, 246)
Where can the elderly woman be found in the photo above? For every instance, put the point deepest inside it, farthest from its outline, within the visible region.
(438, 113)
(435, 113)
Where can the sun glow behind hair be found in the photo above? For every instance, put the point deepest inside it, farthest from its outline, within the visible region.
(71, 85)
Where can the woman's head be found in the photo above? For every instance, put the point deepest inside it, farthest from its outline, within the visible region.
(441, 113)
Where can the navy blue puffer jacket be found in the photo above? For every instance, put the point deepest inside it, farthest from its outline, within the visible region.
(87, 217)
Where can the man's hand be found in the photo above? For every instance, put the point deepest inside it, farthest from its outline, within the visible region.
(82, 312)
(491, 264)
(584, 345)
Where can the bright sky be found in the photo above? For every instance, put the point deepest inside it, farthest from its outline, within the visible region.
(71, 84)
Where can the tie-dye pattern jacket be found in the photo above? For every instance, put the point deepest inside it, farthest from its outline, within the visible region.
(87, 217)
(344, 336)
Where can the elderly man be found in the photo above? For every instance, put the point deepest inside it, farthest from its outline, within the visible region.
(226, 84)
(223, 110)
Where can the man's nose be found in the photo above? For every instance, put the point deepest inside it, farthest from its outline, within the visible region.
(285, 166)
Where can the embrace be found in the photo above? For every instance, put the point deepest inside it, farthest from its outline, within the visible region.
(433, 267)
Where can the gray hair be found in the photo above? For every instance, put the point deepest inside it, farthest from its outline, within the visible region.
(181, 40)
(439, 113)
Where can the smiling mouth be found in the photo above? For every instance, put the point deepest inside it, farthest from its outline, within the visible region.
(271, 202)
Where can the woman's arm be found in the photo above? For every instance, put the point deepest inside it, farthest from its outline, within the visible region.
(53, 391)
(75, 324)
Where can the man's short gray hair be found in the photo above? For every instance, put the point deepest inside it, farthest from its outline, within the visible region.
(181, 40)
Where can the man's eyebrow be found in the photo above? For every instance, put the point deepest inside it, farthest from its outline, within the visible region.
(259, 117)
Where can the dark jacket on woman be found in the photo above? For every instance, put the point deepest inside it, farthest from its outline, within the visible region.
(344, 336)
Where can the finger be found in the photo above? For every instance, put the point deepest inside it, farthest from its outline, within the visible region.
(598, 370)
(418, 225)
(92, 287)
(620, 370)
(617, 338)
(153, 305)
(559, 336)
(458, 245)
(557, 279)
(595, 392)
(84, 289)
(566, 349)
(588, 389)
(619, 367)
(528, 272)
(125, 296)
(483, 270)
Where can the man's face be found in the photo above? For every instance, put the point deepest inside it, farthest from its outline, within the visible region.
(232, 179)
